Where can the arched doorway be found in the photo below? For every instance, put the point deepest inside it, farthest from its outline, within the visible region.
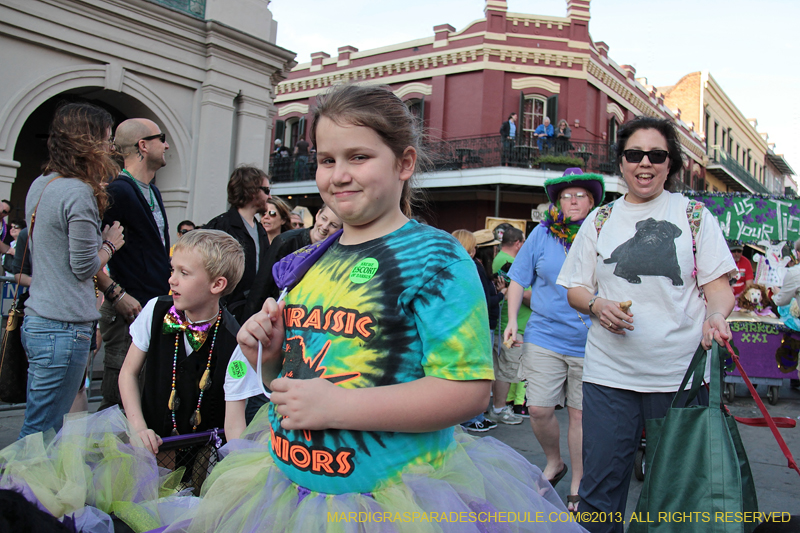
(30, 149)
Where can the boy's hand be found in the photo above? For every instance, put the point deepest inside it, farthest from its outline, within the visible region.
(305, 403)
(265, 327)
(150, 439)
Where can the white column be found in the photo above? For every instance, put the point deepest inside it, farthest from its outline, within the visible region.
(253, 132)
(209, 191)
(8, 173)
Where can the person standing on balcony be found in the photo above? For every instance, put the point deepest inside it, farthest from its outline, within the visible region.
(300, 160)
(544, 135)
(139, 272)
(508, 133)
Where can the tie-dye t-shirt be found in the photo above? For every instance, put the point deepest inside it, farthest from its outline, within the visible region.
(387, 311)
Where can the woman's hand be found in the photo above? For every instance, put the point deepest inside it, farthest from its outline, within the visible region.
(113, 234)
(611, 317)
(129, 307)
(265, 327)
(305, 403)
(715, 328)
(150, 439)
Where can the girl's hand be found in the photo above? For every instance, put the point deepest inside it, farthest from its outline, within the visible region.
(715, 328)
(114, 235)
(305, 403)
(511, 333)
(150, 439)
(611, 317)
(265, 327)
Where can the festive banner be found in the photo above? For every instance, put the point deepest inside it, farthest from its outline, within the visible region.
(753, 218)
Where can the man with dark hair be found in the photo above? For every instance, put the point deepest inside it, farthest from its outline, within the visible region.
(248, 192)
(506, 360)
(184, 227)
(139, 270)
(508, 133)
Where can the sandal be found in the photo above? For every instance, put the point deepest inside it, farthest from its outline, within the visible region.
(573, 499)
(559, 476)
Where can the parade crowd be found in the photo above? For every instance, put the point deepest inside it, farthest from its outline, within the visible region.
(342, 394)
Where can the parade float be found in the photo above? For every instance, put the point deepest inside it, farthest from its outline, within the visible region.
(767, 338)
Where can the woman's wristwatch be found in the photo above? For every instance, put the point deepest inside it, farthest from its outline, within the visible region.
(591, 303)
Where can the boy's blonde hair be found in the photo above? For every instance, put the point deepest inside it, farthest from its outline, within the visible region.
(467, 240)
(222, 255)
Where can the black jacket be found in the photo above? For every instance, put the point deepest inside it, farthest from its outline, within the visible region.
(265, 287)
(142, 265)
(505, 129)
(231, 223)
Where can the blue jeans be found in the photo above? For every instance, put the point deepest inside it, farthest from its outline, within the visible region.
(57, 355)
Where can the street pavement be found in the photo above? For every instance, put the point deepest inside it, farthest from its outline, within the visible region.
(777, 486)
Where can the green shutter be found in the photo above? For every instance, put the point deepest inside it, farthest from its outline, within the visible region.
(280, 127)
(552, 110)
(520, 117)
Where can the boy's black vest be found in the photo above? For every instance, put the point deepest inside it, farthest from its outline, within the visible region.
(189, 370)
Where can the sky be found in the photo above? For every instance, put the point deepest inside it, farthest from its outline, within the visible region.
(750, 48)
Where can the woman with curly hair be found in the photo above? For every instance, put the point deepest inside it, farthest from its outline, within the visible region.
(68, 248)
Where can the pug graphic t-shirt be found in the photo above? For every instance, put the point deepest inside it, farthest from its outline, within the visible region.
(391, 310)
(643, 253)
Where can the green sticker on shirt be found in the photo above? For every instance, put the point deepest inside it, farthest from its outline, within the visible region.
(364, 270)
(237, 369)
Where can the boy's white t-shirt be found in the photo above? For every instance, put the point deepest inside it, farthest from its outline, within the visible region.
(667, 318)
(241, 382)
(241, 379)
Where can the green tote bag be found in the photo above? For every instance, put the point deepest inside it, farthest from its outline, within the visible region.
(697, 478)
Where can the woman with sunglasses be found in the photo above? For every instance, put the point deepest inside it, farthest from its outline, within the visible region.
(276, 219)
(662, 252)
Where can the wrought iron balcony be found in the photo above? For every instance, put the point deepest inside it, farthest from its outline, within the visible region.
(730, 172)
(483, 152)
(195, 8)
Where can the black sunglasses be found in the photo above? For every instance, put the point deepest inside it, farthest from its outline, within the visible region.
(183, 231)
(655, 156)
(160, 136)
(265, 190)
(272, 213)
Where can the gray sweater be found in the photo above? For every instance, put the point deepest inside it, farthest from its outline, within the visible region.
(64, 246)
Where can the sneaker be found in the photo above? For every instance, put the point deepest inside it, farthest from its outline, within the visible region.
(506, 416)
(480, 426)
(521, 410)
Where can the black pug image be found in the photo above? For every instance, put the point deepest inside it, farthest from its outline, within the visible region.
(650, 252)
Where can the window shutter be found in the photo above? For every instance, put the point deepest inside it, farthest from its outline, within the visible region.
(422, 114)
(301, 128)
(280, 127)
(520, 117)
(552, 110)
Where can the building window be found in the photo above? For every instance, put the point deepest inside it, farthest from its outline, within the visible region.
(716, 128)
(722, 147)
(533, 112)
(290, 134)
(705, 129)
(613, 126)
(417, 108)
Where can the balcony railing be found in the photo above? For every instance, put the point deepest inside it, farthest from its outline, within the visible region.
(738, 171)
(195, 8)
(482, 152)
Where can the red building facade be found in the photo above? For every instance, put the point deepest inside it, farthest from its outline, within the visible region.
(465, 83)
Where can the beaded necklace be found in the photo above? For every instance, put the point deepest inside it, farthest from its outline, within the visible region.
(205, 381)
(152, 201)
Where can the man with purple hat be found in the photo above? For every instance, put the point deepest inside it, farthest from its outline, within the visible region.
(555, 335)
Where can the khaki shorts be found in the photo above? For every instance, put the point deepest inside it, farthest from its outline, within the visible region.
(551, 377)
(506, 362)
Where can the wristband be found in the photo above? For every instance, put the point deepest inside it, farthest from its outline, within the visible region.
(118, 298)
(107, 250)
(591, 303)
(111, 245)
(110, 289)
(709, 316)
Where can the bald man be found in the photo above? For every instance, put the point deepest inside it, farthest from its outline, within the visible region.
(140, 270)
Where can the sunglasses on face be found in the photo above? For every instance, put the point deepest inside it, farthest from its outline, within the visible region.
(4, 212)
(578, 195)
(160, 136)
(265, 190)
(655, 156)
(183, 231)
(272, 213)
